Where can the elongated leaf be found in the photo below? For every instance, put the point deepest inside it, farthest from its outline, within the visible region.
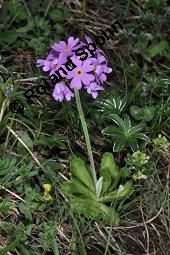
(3, 70)
(123, 191)
(110, 172)
(112, 131)
(119, 143)
(136, 129)
(95, 210)
(118, 121)
(76, 187)
(142, 136)
(28, 142)
(88, 207)
(99, 185)
(127, 123)
(133, 144)
(110, 214)
(80, 171)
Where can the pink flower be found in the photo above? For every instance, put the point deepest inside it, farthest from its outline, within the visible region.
(46, 64)
(93, 89)
(57, 63)
(100, 68)
(51, 56)
(61, 92)
(80, 75)
(51, 63)
(89, 40)
(89, 73)
(66, 48)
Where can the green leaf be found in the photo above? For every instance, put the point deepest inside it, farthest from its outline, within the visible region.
(55, 140)
(24, 209)
(152, 51)
(37, 44)
(3, 70)
(56, 15)
(136, 112)
(12, 245)
(17, 10)
(145, 114)
(123, 191)
(99, 185)
(148, 113)
(133, 144)
(9, 36)
(136, 129)
(66, 12)
(5, 85)
(112, 131)
(59, 28)
(2, 98)
(142, 136)
(7, 163)
(119, 143)
(28, 142)
(125, 172)
(1, 80)
(80, 171)
(27, 28)
(88, 207)
(75, 187)
(118, 121)
(110, 172)
(92, 209)
(110, 214)
(127, 123)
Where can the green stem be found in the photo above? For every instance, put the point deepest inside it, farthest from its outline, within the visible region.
(84, 7)
(86, 134)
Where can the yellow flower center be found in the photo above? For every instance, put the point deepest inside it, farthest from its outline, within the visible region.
(66, 48)
(79, 72)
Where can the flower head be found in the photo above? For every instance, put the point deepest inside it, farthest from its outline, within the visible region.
(88, 74)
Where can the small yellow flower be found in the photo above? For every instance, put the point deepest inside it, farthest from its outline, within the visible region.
(47, 188)
(47, 197)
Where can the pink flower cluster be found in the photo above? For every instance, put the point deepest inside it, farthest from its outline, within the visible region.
(88, 71)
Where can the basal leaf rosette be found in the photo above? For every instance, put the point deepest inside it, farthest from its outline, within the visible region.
(87, 200)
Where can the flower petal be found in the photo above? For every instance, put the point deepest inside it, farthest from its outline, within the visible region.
(87, 78)
(76, 83)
